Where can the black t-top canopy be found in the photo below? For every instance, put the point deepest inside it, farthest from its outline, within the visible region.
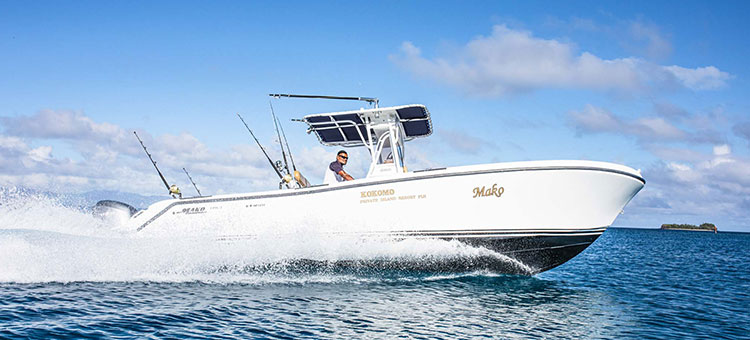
(348, 128)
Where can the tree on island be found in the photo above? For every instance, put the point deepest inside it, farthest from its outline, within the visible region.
(704, 226)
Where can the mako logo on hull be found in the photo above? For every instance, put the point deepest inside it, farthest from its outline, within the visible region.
(190, 211)
(485, 191)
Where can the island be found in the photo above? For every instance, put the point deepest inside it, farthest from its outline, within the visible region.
(702, 227)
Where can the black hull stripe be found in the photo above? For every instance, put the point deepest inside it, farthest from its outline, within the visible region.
(429, 237)
(492, 234)
(489, 236)
(478, 231)
(501, 231)
(421, 176)
(580, 244)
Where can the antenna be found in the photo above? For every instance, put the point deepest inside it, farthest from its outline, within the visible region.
(191, 181)
(370, 100)
(153, 162)
(261, 148)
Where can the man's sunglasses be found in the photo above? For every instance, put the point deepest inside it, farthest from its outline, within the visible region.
(344, 157)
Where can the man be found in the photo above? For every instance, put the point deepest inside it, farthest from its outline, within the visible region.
(337, 167)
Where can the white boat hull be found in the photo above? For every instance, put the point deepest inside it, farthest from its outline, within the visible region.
(539, 213)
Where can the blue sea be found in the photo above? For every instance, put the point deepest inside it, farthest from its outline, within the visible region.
(64, 274)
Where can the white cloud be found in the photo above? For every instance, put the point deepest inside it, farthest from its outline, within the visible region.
(658, 128)
(656, 45)
(637, 36)
(593, 119)
(463, 142)
(101, 154)
(41, 154)
(596, 119)
(722, 150)
(669, 110)
(683, 172)
(12, 145)
(60, 124)
(108, 162)
(699, 78)
(512, 61)
(695, 185)
(676, 153)
(83, 133)
(183, 146)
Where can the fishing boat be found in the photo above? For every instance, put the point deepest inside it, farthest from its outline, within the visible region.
(539, 214)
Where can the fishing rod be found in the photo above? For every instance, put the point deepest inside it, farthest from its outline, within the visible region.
(276, 125)
(261, 148)
(294, 167)
(301, 180)
(370, 100)
(154, 163)
(191, 181)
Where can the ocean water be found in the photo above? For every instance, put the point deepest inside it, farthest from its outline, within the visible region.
(66, 274)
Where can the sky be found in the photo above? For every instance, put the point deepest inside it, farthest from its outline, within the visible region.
(657, 86)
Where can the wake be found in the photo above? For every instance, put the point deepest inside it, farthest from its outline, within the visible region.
(44, 239)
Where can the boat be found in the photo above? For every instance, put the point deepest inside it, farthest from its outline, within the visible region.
(536, 214)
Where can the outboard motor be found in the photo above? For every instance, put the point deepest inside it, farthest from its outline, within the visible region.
(114, 211)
